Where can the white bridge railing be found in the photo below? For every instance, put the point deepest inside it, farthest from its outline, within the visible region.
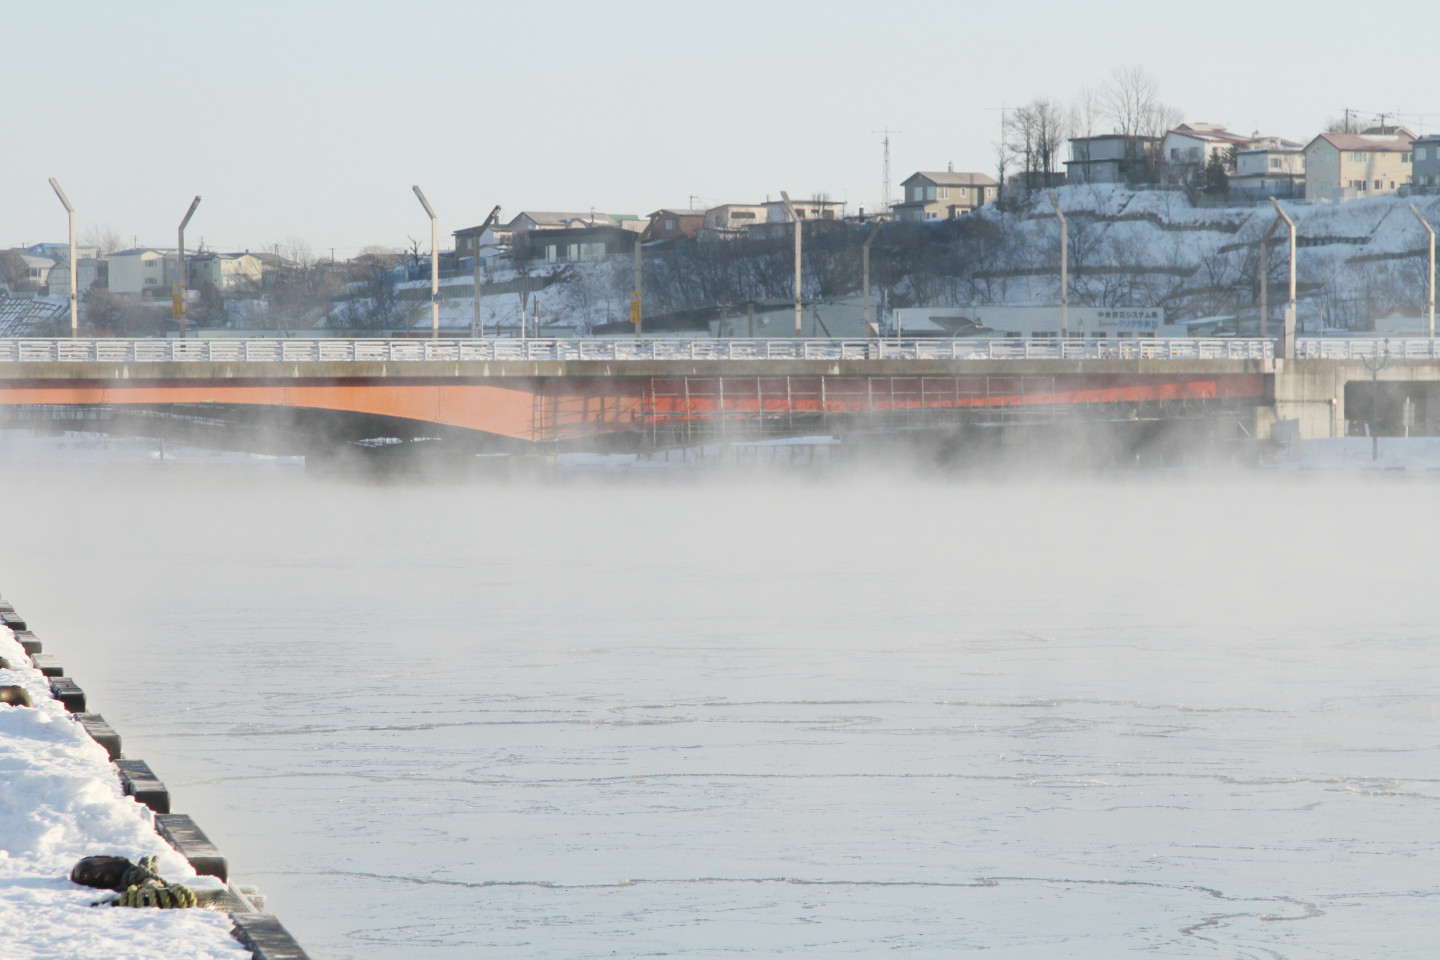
(273, 350)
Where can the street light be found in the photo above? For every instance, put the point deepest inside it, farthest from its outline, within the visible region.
(434, 266)
(1428, 229)
(865, 274)
(74, 289)
(1064, 274)
(178, 307)
(1287, 330)
(790, 209)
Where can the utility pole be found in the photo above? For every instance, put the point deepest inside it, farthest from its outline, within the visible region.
(1431, 275)
(885, 183)
(795, 218)
(74, 267)
(865, 276)
(434, 265)
(1288, 330)
(635, 314)
(1064, 274)
(179, 288)
(477, 327)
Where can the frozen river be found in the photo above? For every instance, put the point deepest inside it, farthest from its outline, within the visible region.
(1076, 719)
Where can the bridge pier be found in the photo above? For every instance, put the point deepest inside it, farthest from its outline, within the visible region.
(1309, 393)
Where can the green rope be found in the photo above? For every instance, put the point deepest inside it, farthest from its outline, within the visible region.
(144, 888)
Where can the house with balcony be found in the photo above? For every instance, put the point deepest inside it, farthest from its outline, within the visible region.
(1346, 166)
(1277, 171)
(1112, 158)
(944, 194)
(1425, 165)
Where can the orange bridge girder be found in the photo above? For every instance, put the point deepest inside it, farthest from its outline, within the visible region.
(539, 401)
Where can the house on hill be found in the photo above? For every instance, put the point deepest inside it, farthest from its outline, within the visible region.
(1189, 149)
(226, 271)
(140, 270)
(571, 219)
(1277, 171)
(1425, 165)
(730, 221)
(668, 224)
(944, 194)
(1112, 158)
(574, 244)
(1344, 166)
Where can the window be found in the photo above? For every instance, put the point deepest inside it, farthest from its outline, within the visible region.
(945, 193)
(1405, 157)
(1379, 184)
(1274, 163)
(1357, 157)
(669, 223)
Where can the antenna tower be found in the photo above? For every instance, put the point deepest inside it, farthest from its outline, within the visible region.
(885, 184)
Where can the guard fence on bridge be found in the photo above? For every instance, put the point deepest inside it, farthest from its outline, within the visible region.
(330, 350)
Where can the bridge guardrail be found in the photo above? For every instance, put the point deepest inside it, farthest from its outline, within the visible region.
(273, 350)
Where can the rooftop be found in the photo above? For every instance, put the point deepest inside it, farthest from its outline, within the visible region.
(1363, 142)
(952, 178)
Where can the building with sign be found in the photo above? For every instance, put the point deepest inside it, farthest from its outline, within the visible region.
(1092, 323)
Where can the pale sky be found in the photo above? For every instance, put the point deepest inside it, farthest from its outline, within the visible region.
(312, 120)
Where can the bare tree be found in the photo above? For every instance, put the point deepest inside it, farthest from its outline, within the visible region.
(1086, 111)
(1035, 133)
(1131, 102)
(103, 238)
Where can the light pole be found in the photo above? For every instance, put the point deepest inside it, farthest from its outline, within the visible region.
(1064, 274)
(178, 306)
(1431, 275)
(1288, 329)
(636, 317)
(477, 328)
(865, 275)
(1265, 278)
(74, 267)
(434, 265)
(795, 217)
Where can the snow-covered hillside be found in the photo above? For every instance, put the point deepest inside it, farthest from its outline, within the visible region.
(1356, 261)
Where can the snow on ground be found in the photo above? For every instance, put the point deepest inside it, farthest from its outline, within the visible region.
(1356, 453)
(60, 801)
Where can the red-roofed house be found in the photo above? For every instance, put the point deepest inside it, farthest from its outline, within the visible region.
(1344, 166)
(1188, 149)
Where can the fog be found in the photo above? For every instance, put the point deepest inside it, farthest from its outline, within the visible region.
(812, 715)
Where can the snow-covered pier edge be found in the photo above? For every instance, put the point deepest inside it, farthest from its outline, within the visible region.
(68, 792)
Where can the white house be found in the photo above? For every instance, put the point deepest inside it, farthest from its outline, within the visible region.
(1270, 171)
(731, 220)
(226, 271)
(813, 209)
(141, 269)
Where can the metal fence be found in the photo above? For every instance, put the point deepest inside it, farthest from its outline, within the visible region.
(1347, 348)
(314, 351)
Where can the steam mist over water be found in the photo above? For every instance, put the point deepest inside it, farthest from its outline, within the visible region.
(771, 716)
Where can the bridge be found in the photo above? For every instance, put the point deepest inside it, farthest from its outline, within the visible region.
(612, 393)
